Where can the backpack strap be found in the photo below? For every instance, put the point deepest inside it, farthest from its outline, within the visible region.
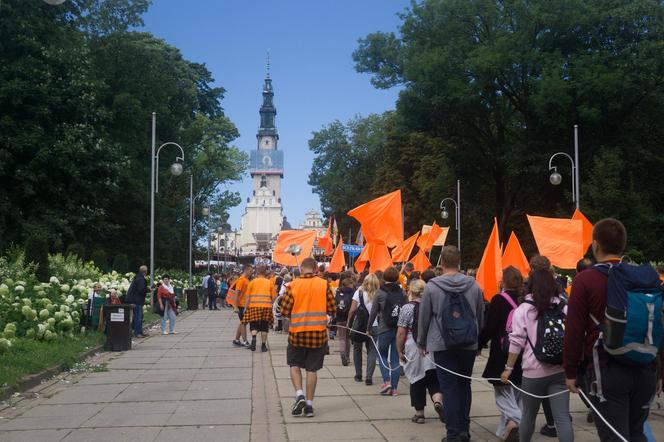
(509, 299)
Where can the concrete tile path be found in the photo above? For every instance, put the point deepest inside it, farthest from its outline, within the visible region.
(195, 386)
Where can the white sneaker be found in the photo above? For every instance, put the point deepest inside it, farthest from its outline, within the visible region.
(164, 333)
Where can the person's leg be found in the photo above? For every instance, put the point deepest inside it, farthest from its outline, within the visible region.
(548, 415)
(507, 403)
(171, 319)
(644, 384)
(433, 387)
(162, 321)
(341, 343)
(138, 320)
(466, 362)
(357, 359)
(530, 407)
(394, 362)
(312, 379)
(418, 395)
(450, 389)
(383, 349)
(372, 355)
(560, 407)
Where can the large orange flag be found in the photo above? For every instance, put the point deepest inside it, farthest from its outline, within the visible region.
(587, 229)
(325, 242)
(420, 261)
(303, 238)
(376, 254)
(514, 256)
(338, 262)
(402, 252)
(381, 219)
(490, 271)
(428, 239)
(560, 240)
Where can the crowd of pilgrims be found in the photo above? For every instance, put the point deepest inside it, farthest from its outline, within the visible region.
(541, 334)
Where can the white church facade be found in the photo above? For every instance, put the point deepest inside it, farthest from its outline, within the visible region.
(263, 217)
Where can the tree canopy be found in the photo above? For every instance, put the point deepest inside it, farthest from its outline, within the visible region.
(77, 89)
(491, 89)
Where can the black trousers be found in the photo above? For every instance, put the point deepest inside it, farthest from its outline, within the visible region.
(418, 390)
(628, 392)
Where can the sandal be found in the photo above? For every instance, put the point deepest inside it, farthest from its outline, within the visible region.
(439, 409)
(418, 419)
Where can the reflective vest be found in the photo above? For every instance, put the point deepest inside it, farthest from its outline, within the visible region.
(260, 293)
(310, 305)
(232, 294)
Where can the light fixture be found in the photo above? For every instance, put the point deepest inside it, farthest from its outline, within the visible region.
(556, 178)
(206, 211)
(54, 2)
(444, 214)
(176, 169)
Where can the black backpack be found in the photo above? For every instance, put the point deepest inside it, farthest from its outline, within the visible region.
(393, 303)
(343, 300)
(459, 321)
(360, 321)
(548, 347)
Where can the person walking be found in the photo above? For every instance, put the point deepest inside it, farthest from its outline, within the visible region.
(239, 295)
(261, 293)
(623, 387)
(451, 314)
(136, 293)
(543, 373)
(497, 328)
(223, 291)
(358, 319)
(420, 371)
(212, 292)
(166, 299)
(344, 300)
(386, 307)
(307, 303)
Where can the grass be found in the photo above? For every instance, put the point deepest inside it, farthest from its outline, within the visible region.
(27, 356)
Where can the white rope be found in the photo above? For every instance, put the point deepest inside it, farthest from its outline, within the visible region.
(486, 380)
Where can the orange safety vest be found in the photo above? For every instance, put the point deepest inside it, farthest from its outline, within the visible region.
(310, 305)
(231, 297)
(260, 293)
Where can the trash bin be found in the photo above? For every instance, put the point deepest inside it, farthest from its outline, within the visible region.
(178, 297)
(118, 325)
(192, 299)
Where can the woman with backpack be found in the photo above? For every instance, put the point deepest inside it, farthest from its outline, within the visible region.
(497, 329)
(420, 371)
(538, 332)
(358, 318)
(386, 307)
(344, 299)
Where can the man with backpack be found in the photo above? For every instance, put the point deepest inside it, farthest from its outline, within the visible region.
(613, 333)
(387, 306)
(451, 314)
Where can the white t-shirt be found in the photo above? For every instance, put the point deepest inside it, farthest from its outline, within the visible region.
(367, 303)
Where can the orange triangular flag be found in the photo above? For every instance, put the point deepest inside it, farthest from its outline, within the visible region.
(587, 229)
(381, 219)
(428, 239)
(490, 271)
(401, 253)
(338, 262)
(420, 261)
(303, 238)
(376, 254)
(560, 240)
(514, 256)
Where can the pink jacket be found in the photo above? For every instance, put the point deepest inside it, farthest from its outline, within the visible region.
(524, 325)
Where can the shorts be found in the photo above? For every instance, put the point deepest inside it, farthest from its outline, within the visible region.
(311, 359)
(260, 326)
(240, 312)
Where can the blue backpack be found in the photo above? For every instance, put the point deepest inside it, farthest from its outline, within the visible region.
(631, 331)
(459, 322)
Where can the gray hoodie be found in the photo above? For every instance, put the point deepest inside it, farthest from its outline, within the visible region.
(430, 324)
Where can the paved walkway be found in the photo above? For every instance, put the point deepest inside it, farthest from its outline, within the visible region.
(195, 386)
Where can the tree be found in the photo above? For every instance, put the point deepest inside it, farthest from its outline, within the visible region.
(36, 252)
(100, 258)
(121, 263)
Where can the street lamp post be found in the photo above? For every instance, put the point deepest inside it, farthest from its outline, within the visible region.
(206, 213)
(457, 213)
(176, 170)
(192, 202)
(556, 178)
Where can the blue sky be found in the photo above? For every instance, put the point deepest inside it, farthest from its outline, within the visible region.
(310, 43)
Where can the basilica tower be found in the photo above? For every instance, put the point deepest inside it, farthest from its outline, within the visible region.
(263, 215)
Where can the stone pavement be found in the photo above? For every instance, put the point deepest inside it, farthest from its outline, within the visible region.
(195, 386)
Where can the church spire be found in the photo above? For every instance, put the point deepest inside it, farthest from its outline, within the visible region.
(267, 111)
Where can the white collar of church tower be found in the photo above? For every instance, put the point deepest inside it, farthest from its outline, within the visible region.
(263, 216)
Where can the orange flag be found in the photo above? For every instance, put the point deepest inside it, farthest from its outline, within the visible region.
(376, 254)
(402, 252)
(441, 239)
(420, 261)
(560, 240)
(428, 239)
(325, 242)
(338, 262)
(587, 229)
(381, 219)
(303, 238)
(490, 271)
(514, 256)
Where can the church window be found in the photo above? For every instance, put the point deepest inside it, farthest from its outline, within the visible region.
(263, 181)
(274, 193)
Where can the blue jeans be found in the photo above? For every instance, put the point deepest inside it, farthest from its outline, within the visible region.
(456, 390)
(387, 343)
(138, 319)
(170, 315)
